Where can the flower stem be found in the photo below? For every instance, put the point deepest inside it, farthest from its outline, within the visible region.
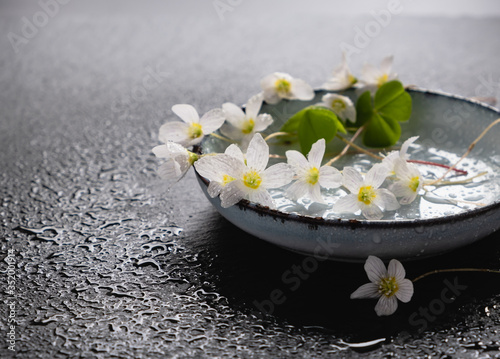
(346, 148)
(471, 146)
(359, 148)
(456, 270)
(276, 134)
(220, 137)
(447, 183)
(438, 165)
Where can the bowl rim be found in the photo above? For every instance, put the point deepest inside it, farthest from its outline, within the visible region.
(351, 222)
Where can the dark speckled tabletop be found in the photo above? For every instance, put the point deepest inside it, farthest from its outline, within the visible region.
(109, 264)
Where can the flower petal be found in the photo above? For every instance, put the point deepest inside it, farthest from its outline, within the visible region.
(386, 305)
(212, 120)
(232, 132)
(231, 194)
(405, 291)
(214, 189)
(372, 211)
(214, 168)
(376, 175)
(277, 175)
(301, 90)
(329, 177)
(404, 147)
(402, 169)
(351, 179)
(369, 74)
(315, 193)
(396, 270)
(375, 269)
(187, 113)
(234, 114)
(346, 204)
(408, 199)
(341, 77)
(271, 96)
(253, 106)
(257, 153)
(267, 83)
(174, 131)
(297, 160)
(234, 151)
(297, 190)
(350, 113)
(401, 189)
(172, 171)
(368, 290)
(386, 64)
(170, 150)
(261, 197)
(386, 200)
(315, 155)
(262, 122)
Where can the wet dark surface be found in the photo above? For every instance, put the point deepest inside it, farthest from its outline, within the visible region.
(108, 263)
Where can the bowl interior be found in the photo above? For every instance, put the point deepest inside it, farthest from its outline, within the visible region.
(446, 126)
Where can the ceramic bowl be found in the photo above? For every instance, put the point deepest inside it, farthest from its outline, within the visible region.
(440, 221)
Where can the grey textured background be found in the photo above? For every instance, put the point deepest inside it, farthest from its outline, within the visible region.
(111, 264)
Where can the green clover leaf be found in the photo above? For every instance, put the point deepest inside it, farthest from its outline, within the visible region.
(312, 124)
(391, 105)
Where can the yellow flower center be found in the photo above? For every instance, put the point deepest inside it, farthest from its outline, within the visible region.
(352, 79)
(252, 179)
(366, 195)
(338, 105)
(388, 286)
(414, 183)
(313, 175)
(194, 130)
(283, 86)
(192, 157)
(248, 126)
(382, 80)
(226, 179)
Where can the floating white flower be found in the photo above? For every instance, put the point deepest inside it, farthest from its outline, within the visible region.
(390, 160)
(342, 106)
(311, 176)
(193, 128)
(220, 169)
(178, 161)
(409, 181)
(388, 285)
(241, 126)
(372, 78)
(341, 79)
(366, 196)
(252, 179)
(279, 85)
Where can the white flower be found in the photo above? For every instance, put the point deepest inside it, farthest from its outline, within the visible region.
(390, 160)
(311, 176)
(372, 78)
(193, 128)
(342, 106)
(341, 79)
(241, 125)
(178, 161)
(387, 285)
(252, 179)
(409, 181)
(365, 193)
(220, 169)
(279, 85)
